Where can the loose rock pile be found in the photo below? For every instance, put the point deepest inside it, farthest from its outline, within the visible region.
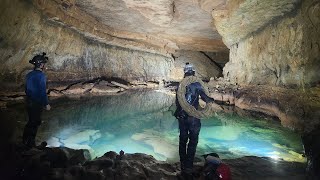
(66, 163)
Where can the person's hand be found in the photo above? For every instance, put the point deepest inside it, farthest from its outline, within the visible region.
(48, 107)
(215, 106)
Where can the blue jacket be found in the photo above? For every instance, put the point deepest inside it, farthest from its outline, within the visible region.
(193, 91)
(36, 87)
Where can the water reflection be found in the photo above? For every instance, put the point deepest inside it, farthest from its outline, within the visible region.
(143, 122)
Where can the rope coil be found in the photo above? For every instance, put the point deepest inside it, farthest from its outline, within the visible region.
(205, 112)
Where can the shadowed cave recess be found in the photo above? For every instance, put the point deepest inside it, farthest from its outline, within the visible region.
(112, 75)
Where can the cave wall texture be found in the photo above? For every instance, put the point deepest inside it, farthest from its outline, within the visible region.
(71, 56)
(205, 68)
(285, 52)
(271, 42)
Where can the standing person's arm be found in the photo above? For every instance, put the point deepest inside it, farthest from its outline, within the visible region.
(25, 84)
(179, 113)
(208, 99)
(43, 92)
(204, 97)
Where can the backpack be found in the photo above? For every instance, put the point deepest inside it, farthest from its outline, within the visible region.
(223, 171)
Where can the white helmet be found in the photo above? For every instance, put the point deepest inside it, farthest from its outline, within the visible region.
(188, 68)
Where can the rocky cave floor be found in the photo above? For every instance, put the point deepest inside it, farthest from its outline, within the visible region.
(65, 163)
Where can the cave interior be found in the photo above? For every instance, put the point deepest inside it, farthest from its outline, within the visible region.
(257, 57)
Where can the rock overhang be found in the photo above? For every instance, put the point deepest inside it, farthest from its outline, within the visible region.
(242, 18)
(156, 26)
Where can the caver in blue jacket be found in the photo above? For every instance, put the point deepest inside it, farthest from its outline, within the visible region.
(37, 99)
(36, 87)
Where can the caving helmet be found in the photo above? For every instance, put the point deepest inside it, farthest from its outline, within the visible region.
(39, 59)
(189, 69)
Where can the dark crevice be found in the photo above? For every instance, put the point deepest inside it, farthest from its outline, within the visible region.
(95, 80)
(215, 63)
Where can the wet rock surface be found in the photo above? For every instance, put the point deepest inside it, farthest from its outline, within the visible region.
(65, 163)
(264, 168)
(297, 109)
(312, 149)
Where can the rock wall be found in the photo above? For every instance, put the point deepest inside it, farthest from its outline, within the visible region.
(286, 53)
(74, 56)
(24, 33)
(204, 66)
(239, 18)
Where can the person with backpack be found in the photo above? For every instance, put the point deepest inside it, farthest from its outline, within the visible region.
(189, 126)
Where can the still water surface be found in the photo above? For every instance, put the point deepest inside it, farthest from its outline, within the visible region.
(143, 122)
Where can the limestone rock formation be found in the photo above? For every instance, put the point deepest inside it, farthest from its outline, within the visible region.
(284, 53)
(221, 58)
(152, 26)
(81, 48)
(295, 109)
(210, 5)
(167, 24)
(240, 18)
(71, 56)
(205, 66)
(65, 163)
(159, 12)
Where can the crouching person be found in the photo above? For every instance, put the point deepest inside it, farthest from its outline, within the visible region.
(215, 169)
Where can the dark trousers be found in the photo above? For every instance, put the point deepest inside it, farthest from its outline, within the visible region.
(34, 121)
(189, 131)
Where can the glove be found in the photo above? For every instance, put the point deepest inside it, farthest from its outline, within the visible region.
(48, 107)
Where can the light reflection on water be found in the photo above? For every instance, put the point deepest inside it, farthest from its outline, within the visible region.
(143, 122)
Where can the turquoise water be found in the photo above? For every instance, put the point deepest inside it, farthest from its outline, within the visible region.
(143, 122)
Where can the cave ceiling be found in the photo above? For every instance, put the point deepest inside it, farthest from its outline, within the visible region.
(159, 26)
